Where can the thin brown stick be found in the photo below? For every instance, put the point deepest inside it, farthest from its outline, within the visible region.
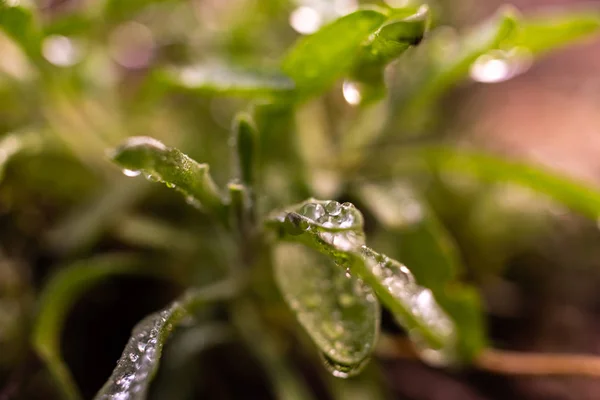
(516, 363)
(508, 362)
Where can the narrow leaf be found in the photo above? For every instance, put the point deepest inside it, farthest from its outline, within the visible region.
(18, 23)
(168, 165)
(547, 31)
(422, 242)
(58, 297)
(318, 60)
(337, 310)
(336, 231)
(246, 146)
(576, 195)
(140, 360)
(226, 80)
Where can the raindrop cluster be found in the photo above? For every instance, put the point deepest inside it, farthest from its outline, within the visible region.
(332, 215)
(398, 281)
(139, 360)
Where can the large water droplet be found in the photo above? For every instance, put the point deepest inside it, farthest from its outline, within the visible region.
(333, 208)
(131, 173)
(312, 211)
(343, 370)
(500, 65)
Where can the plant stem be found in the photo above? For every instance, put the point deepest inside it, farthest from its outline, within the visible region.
(507, 362)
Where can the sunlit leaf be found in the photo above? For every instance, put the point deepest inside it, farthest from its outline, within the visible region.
(168, 165)
(140, 360)
(339, 312)
(55, 302)
(336, 231)
(318, 60)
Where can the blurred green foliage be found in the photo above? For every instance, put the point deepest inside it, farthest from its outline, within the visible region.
(312, 116)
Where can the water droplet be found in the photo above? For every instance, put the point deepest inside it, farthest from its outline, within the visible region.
(133, 357)
(170, 185)
(141, 346)
(151, 177)
(333, 208)
(61, 50)
(351, 92)
(131, 173)
(500, 65)
(312, 211)
(305, 20)
(343, 370)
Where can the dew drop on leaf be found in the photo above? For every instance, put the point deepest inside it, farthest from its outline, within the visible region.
(131, 173)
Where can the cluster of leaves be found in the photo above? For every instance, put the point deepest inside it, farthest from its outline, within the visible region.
(317, 250)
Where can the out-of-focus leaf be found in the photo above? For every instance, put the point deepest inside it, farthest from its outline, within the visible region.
(227, 80)
(17, 142)
(116, 10)
(339, 312)
(86, 224)
(445, 61)
(178, 373)
(18, 23)
(286, 380)
(576, 195)
(58, 297)
(140, 359)
(336, 231)
(406, 27)
(548, 31)
(318, 60)
(246, 146)
(423, 243)
(168, 165)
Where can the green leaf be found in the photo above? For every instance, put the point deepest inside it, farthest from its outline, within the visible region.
(140, 360)
(221, 79)
(318, 60)
(160, 163)
(18, 23)
(576, 195)
(406, 27)
(422, 241)
(246, 146)
(58, 297)
(447, 62)
(338, 312)
(336, 231)
(547, 31)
